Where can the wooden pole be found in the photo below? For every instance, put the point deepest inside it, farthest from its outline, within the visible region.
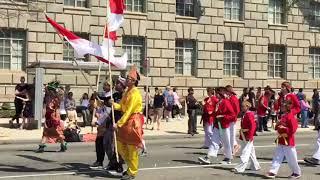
(111, 85)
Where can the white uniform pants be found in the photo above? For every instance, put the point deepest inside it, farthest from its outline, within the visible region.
(215, 140)
(291, 156)
(207, 133)
(233, 140)
(248, 157)
(316, 154)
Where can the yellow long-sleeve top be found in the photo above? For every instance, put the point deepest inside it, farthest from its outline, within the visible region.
(130, 103)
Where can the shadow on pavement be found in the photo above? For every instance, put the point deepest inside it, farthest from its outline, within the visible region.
(256, 175)
(186, 147)
(187, 162)
(11, 168)
(34, 158)
(29, 150)
(175, 132)
(197, 153)
(84, 169)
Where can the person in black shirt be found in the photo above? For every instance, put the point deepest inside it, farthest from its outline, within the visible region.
(109, 134)
(192, 105)
(158, 103)
(20, 91)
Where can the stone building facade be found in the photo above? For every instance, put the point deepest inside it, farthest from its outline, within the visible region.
(197, 43)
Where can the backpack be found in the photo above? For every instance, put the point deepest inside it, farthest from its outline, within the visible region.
(72, 135)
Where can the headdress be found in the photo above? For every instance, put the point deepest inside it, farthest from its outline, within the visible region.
(133, 73)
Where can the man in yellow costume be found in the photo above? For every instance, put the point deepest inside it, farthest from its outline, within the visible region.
(129, 127)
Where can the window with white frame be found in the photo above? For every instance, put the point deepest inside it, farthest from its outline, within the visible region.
(134, 5)
(314, 63)
(12, 50)
(276, 61)
(185, 7)
(276, 11)
(315, 14)
(232, 58)
(68, 51)
(76, 3)
(135, 48)
(185, 57)
(233, 10)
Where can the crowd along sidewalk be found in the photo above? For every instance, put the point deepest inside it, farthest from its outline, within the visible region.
(167, 130)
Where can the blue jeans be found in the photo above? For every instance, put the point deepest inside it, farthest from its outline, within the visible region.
(304, 118)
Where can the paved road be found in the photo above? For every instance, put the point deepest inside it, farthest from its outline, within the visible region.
(169, 159)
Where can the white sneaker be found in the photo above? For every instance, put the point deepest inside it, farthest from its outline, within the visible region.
(204, 160)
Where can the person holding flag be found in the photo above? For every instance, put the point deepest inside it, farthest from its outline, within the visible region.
(129, 127)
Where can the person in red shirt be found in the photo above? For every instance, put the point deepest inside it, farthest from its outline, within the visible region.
(208, 115)
(248, 128)
(263, 107)
(286, 94)
(224, 115)
(232, 96)
(286, 129)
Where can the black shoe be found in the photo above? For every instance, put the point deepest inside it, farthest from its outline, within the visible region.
(119, 170)
(96, 165)
(40, 149)
(195, 132)
(226, 161)
(312, 161)
(127, 177)
(63, 147)
(267, 130)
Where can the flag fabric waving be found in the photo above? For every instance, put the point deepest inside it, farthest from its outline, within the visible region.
(116, 17)
(83, 47)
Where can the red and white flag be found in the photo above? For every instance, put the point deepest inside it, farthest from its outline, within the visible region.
(116, 17)
(83, 47)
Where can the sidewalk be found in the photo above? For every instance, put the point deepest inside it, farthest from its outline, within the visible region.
(168, 129)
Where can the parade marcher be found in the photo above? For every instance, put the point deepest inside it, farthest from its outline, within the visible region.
(286, 128)
(285, 95)
(53, 126)
(20, 91)
(315, 160)
(248, 154)
(208, 116)
(192, 105)
(129, 127)
(114, 165)
(244, 97)
(102, 114)
(263, 107)
(252, 99)
(221, 132)
(232, 96)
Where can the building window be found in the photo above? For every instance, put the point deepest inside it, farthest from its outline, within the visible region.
(68, 51)
(135, 47)
(76, 3)
(315, 14)
(314, 63)
(276, 11)
(12, 50)
(185, 57)
(134, 5)
(233, 10)
(185, 7)
(276, 61)
(232, 58)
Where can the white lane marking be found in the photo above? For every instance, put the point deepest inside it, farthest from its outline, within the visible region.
(142, 169)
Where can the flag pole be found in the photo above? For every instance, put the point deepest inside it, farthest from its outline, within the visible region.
(111, 85)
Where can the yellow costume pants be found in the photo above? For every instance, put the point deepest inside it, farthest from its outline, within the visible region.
(130, 155)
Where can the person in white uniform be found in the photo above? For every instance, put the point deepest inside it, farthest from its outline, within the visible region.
(248, 127)
(315, 160)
